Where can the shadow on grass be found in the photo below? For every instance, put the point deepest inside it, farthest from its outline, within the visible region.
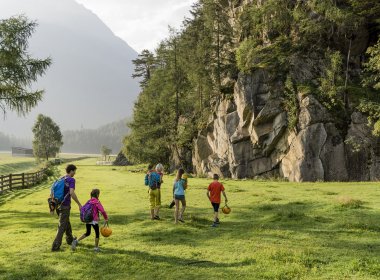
(22, 193)
(174, 260)
(328, 228)
(37, 271)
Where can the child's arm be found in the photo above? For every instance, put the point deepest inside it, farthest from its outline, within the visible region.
(101, 209)
(208, 194)
(225, 197)
(185, 185)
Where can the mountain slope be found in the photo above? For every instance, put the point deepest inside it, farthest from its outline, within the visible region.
(89, 83)
(91, 140)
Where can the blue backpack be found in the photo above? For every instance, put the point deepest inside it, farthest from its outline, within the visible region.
(153, 180)
(58, 189)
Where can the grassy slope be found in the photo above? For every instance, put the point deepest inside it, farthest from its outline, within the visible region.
(275, 231)
(9, 164)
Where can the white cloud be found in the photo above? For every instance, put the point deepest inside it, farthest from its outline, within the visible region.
(142, 24)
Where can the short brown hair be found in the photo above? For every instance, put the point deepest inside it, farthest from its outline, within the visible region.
(95, 193)
(216, 177)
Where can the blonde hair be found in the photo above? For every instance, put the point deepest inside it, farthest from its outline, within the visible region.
(159, 167)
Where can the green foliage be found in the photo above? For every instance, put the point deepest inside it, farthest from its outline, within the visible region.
(153, 123)
(372, 109)
(144, 66)
(331, 83)
(18, 70)
(355, 143)
(105, 151)
(294, 43)
(190, 71)
(376, 128)
(291, 103)
(372, 67)
(47, 140)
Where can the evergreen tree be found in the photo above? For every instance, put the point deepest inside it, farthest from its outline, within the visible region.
(18, 70)
(197, 66)
(144, 66)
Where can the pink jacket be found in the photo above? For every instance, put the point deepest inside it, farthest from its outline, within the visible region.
(97, 207)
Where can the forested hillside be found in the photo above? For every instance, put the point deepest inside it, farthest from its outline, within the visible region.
(249, 72)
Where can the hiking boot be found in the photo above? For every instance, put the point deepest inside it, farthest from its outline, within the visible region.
(214, 225)
(217, 222)
(96, 249)
(181, 220)
(156, 218)
(74, 244)
(69, 240)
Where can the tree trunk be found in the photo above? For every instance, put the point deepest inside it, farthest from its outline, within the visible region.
(176, 85)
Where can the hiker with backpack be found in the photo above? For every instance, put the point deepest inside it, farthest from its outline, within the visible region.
(179, 187)
(90, 215)
(62, 192)
(159, 171)
(153, 181)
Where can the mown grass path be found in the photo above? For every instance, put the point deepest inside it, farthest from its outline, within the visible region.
(276, 230)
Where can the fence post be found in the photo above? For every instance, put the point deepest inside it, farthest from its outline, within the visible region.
(10, 181)
(2, 182)
(23, 180)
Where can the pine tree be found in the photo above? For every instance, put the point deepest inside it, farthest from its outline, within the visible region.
(144, 67)
(18, 70)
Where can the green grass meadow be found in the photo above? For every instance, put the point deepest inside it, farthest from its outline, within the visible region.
(9, 164)
(276, 230)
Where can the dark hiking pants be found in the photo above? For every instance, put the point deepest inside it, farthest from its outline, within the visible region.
(64, 226)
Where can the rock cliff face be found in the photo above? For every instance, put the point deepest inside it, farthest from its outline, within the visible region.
(248, 136)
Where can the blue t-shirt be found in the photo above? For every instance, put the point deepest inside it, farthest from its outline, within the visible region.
(69, 184)
(179, 187)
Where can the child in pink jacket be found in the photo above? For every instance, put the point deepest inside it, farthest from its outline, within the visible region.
(97, 207)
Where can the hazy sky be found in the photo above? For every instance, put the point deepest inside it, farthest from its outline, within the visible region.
(142, 23)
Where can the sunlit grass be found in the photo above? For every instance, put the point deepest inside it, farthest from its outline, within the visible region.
(276, 230)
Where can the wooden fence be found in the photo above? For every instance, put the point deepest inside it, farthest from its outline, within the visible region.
(21, 181)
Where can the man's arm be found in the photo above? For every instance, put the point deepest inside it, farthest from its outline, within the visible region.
(208, 194)
(74, 196)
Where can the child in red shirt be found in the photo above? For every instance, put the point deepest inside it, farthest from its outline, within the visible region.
(213, 193)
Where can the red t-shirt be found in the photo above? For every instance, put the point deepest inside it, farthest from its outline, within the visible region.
(215, 188)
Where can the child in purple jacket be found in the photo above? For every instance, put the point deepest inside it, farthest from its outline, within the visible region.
(97, 207)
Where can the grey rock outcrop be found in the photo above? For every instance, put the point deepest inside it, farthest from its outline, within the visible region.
(249, 136)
